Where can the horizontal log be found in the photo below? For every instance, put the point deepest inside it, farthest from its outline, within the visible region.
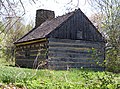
(69, 55)
(28, 63)
(30, 53)
(31, 57)
(24, 63)
(38, 43)
(67, 42)
(80, 45)
(69, 62)
(57, 59)
(24, 60)
(69, 50)
(31, 46)
(71, 41)
(40, 51)
(52, 52)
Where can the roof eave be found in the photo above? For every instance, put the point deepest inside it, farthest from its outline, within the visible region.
(30, 41)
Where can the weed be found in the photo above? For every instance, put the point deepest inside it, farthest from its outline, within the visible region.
(49, 79)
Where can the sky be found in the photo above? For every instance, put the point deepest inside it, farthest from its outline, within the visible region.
(59, 6)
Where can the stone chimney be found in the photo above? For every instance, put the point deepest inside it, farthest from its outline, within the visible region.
(43, 15)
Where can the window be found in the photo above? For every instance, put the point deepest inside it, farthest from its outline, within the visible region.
(79, 34)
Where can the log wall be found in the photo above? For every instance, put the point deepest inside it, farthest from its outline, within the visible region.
(66, 53)
(31, 55)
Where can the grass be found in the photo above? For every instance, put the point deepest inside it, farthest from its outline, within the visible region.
(50, 79)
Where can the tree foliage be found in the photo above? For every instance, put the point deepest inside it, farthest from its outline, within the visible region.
(110, 11)
(12, 34)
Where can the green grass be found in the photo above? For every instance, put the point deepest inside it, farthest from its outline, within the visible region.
(50, 79)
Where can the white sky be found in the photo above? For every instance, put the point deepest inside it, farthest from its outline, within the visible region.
(59, 6)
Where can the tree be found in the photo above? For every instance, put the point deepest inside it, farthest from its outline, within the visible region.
(97, 19)
(110, 9)
(15, 8)
(12, 34)
(1, 41)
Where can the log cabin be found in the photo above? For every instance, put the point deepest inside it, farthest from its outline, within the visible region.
(63, 42)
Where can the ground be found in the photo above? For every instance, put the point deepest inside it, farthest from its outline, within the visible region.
(23, 78)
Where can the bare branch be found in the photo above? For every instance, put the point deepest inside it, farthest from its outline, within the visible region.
(10, 27)
(2, 3)
(10, 7)
(22, 7)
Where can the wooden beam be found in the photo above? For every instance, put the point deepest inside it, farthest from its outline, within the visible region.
(30, 42)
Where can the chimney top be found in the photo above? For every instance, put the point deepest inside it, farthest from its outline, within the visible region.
(43, 15)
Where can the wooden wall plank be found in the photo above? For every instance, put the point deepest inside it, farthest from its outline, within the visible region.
(34, 51)
(79, 43)
(76, 59)
(31, 57)
(74, 53)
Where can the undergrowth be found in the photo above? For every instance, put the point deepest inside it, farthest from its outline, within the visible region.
(50, 79)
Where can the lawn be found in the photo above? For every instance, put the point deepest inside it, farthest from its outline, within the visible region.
(50, 79)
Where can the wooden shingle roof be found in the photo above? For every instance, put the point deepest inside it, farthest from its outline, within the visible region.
(45, 28)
